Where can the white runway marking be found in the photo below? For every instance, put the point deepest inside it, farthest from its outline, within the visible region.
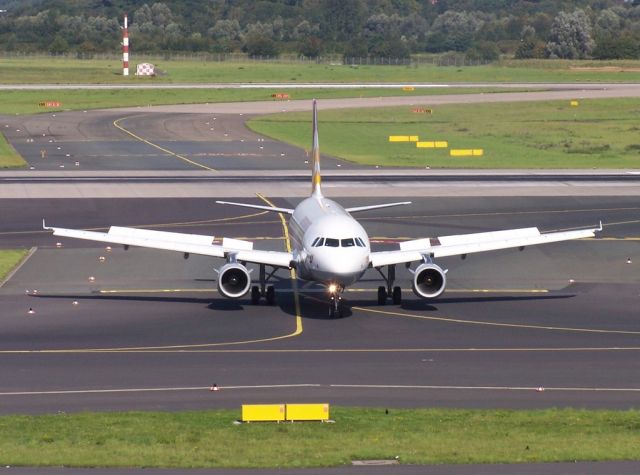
(312, 385)
(491, 388)
(145, 390)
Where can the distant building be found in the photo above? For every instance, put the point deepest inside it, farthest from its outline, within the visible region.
(145, 69)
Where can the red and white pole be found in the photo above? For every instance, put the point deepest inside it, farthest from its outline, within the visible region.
(125, 48)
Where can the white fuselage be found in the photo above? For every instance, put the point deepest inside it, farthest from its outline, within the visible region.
(329, 245)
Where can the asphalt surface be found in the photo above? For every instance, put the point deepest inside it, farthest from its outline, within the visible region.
(151, 332)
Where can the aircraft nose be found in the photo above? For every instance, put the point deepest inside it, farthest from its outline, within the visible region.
(335, 263)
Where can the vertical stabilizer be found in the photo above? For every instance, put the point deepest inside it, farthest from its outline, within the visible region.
(315, 154)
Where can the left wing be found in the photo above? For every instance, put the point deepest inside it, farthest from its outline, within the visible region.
(462, 244)
(179, 242)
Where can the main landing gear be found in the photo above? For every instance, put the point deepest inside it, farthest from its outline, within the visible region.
(336, 306)
(264, 290)
(395, 292)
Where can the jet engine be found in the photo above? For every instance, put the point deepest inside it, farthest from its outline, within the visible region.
(233, 280)
(429, 280)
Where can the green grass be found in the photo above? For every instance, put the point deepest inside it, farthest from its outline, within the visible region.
(9, 258)
(58, 70)
(27, 102)
(422, 436)
(599, 133)
(9, 158)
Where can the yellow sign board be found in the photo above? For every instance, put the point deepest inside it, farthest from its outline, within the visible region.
(434, 144)
(403, 138)
(408, 88)
(476, 152)
(575, 103)
(307, 412)
(263, 412)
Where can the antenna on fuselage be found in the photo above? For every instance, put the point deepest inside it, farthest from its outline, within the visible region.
(315, 153)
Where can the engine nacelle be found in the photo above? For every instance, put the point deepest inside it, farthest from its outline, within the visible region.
(429, 281)
(233, 280)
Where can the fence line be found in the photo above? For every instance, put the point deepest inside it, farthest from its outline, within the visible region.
(442, 60)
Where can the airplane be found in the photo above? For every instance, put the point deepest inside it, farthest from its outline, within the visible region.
(329, 247)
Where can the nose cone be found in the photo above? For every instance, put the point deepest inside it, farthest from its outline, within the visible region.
(341, 265)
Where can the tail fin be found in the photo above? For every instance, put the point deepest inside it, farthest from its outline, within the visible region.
(315, 153)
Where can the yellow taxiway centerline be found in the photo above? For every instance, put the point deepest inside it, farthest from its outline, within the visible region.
(294, 278)
(141, 139)
(496, 324)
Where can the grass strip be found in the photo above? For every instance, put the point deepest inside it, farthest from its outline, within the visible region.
(28, 102)
(420, 436)
(9, 158)
(598, 133)
(40, 70)
(9, 258)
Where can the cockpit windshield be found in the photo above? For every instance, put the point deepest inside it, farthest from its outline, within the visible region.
(347, 242)
(332, 242)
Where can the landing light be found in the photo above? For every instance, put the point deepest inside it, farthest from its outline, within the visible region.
(333, 288)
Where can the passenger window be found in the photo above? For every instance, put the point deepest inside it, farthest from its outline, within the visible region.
(330, 242)
(347, 242)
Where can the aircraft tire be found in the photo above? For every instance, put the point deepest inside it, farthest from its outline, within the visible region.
(271, 295)
(382, 295)
(255, 295)
(397, 295)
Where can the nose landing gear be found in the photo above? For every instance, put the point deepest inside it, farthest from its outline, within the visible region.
(336, 305)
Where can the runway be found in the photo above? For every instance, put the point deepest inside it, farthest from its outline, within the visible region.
(551, 326)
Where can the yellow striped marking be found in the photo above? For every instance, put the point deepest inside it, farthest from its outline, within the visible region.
(116, 123)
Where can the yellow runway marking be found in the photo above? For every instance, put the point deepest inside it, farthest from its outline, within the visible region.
(496, 324)
(294, 278)
(141, 139)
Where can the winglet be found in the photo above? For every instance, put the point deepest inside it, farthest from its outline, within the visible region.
(315, 154)
(599, 227)
(44, 225)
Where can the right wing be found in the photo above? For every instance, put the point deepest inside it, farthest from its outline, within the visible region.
(179, 242)
(462, 244)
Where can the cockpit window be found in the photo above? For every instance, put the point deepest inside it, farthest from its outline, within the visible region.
(359, 242)
(330, 242)
(317, 242)
(347, 242)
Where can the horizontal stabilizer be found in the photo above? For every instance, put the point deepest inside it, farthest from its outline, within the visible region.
(367, 208)
(262, 207)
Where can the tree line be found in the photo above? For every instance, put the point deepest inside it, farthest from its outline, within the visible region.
(480, 29)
